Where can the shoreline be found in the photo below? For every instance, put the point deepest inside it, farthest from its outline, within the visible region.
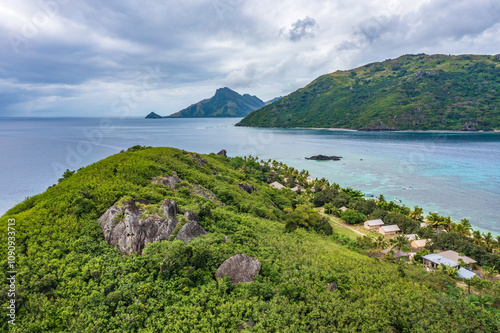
(495, 131)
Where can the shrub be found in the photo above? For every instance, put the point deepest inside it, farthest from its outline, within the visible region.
(353, 217)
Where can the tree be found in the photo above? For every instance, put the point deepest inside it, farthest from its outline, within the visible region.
(433, 219)
(380, 243)
(489, 272)
(401, 243)
(463, 228)
(416, 213)
(488, 241)
(478, 238)
(353, 217)
(448, 270)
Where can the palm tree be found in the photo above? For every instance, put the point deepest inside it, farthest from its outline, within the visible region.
(400, 243)
(488, 241)
(380, 243)
(447, 223)
(416, 213)
(463, 228)
(489, 271)
(433, 219)
(448, 270)
(478, 238)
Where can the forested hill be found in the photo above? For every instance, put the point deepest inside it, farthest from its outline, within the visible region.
(412, 92)
(157, 276)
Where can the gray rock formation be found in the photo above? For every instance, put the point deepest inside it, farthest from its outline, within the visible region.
(191, 216)
(225, 239)
(247, 187)
(168, 181)
(198, 160)
(222, 152)
(189, 231)
(124, 229)
(169, 208)
(239, 268)
(246, 324)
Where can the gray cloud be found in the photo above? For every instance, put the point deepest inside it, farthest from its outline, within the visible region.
(305, 28)
(78, 57)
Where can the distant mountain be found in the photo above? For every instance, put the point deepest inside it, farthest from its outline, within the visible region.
(225, 103)
(273, 100)
(153, 115)
(412, 92)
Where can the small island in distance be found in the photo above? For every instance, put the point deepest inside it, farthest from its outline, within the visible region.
(225, 103)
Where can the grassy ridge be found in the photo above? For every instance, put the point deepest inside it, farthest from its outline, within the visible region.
(412, 92)
(70, 279)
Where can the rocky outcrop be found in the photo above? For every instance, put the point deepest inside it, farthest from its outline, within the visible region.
(198, 160)
(239, 268)
(246, 324)
(168, 181)
(324, 158)
(124, 228)
(169, 208)
(153, 115)
(331, 287)
(191, 216)
(247, 187)
(222, 152)
(189, 231)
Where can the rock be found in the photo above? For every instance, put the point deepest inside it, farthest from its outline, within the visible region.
(168, 181)
(331, 287)
(191, 216)
(324, 158)
(225, 239)
(247, 187)
(124, 229)
(198, 160)
(169, 208)
(222, 152)
(189, 231)
(239, 268)
(245, 324)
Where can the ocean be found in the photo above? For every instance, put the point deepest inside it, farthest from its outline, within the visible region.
(455, 174)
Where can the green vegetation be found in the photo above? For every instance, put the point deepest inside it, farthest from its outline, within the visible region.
(412, 92)
(70, 280)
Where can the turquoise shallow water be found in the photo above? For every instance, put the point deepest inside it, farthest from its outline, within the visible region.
(456, 174)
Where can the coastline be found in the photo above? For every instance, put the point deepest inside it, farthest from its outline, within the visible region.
(495, 131)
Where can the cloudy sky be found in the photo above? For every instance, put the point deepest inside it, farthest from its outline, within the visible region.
(108, 58)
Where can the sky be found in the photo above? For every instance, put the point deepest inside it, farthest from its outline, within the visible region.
(63, 58)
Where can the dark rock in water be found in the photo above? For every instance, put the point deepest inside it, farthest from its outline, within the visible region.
(331, 287)
(153, 115)
(244, 325)
(222, 152)
(191, 216)
(247, 187)
(169, 181)
(239, 268)
(324, 158)
(169, 208)
(198, 160)
(124, 228)
(189, 231)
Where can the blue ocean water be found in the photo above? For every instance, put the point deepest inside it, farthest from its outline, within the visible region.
(456, 174)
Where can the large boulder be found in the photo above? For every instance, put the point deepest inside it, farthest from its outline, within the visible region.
(169, 208)
(247, 187)
(189, 231)
(223, 152)
(124, 228)
(168, 181)
(191, 216)
(239, 268)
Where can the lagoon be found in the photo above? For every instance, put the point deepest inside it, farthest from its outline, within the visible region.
(456, 174)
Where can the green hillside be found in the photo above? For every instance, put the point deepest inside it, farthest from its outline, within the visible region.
(70, 280)
(412, 92)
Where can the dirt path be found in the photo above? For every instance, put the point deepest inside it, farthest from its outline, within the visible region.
(344, 225)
